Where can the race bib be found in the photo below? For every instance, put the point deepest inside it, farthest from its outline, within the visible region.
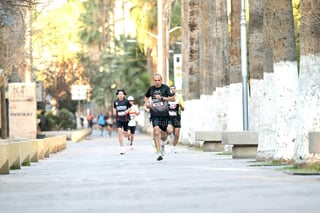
(160, 108)
(172, 113)
(122, 113)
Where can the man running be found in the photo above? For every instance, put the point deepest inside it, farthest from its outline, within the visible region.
(160, 95)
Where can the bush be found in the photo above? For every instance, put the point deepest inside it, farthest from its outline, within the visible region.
(64, 120)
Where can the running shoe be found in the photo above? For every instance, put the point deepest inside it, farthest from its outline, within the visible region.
(159, 158)
(122, 151)
(173, 149)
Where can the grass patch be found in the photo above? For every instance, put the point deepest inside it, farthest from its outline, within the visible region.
(195, 148)
(273, 163)
(304, 169)
(26, 163)
(224, 153)
(15, 166)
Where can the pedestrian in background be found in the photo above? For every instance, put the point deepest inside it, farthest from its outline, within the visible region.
(43, 121)
(159, 112)
(175, 108)
(133, 113)
(109, 123)
(101, 122)
(121, 110)
(90, 120)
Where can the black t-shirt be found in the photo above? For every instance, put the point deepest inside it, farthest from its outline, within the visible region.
(121, 107)
(159, 107)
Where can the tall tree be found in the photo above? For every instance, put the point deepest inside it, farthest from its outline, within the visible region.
(256, 35)
(190, 49)
(235, 43)
(144, 13)
(280, 41)
(309, 74)
(221, 37)
(13, 31)
(207, 46)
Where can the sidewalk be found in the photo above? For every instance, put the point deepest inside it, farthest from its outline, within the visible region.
(91, 176)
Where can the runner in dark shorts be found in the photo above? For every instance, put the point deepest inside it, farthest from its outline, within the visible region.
(160, 94)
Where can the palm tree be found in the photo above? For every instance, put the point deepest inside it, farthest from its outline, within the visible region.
(207, 45)
(309, 74)
(190, 49)
(221, 37)
(235, 51)
(256, 38)
(280, 129)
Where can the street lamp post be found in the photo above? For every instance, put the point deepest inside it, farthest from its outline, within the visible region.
(160, 38)
(244, 66)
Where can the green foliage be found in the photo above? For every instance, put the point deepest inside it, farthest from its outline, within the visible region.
(15, 166)
(56, 44)
(64, 120)
(26, 163)
(304, 169)
(126, 69)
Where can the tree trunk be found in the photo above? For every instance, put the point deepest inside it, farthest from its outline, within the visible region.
(235, 49)
(221, 47)
(309, 74)
(190, 49)
(256, 39)
(281, 103)
(207, 45)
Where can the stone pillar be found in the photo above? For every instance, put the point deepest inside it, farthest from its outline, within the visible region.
(22, 110)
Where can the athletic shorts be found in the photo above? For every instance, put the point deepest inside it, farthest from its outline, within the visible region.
(175, 121)
(132, 129)
(122, 124)
(160, 121)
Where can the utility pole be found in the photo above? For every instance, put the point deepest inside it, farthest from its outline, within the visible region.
(160, 38)
(244, 66)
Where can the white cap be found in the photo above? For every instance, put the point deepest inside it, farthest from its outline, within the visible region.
(130, 98)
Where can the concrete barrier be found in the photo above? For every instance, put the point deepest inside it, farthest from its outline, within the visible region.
(4, 158)
(17, 153)
(79, 135)
(46, 147)
(74, 135)
(210, 141)
(40, 149)
(245, 144)
(25, 153)
(34, 151)
(62, 142)
(314, 142)
(53, 143)
(14, 154)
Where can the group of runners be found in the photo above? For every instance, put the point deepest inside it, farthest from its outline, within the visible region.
(165, 107)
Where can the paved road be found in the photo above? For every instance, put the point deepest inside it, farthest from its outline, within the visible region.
(91, 176)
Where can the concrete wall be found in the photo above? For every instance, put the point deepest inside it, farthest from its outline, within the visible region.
(273, 112)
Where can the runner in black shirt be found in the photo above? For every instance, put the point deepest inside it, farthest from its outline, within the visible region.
(120, 110)
(159, 94)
